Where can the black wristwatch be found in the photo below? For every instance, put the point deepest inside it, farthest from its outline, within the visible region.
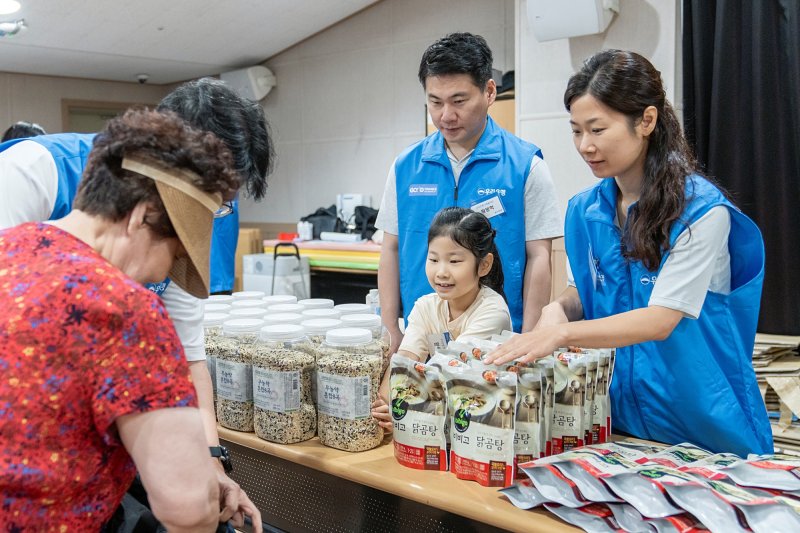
(224, 457)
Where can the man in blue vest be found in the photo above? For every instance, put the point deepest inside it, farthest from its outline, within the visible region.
(469, 162)
(39, 178)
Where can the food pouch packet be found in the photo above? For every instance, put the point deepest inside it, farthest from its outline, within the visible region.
(644, 488)
(679, 523)
(767, 471)
(569, 391)
(594, 517)
(440, 360)
(481, 411)
(601, 408)
(588, 405)
(418, 407)
(546, 364)
(554, 485)
(587, 467)
(523, 494)
(629, 518)
(528, 417)
(680, 455)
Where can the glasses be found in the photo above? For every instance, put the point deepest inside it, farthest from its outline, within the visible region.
(224, 210)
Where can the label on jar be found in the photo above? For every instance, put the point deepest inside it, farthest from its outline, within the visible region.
(211, 363)
(234, 381)
(276, 391)
(343, 397)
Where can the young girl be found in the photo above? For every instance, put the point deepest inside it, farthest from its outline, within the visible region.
(464, 269)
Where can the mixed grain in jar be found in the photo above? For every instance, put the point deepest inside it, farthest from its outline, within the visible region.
(284, 411)
(212, 338)
(380, 334)
(235, 373)
(348, 378)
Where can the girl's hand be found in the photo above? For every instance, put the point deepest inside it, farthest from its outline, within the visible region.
(380, 412)
(527, 347)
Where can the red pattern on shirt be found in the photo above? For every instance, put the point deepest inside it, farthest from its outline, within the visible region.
(80, 345)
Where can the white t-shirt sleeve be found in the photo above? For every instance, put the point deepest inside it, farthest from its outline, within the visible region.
(186, 313)
(543, 218)
(698, 262)
(421, 320)
(387, 213)
(489, 318)
(28, 184)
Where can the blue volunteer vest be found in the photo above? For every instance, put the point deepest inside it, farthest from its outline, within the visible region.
(498, 167)
(698, 385)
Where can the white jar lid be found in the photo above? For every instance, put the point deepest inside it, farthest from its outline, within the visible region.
(348, 336)
(216, 308)
(248, 295)
(352, 309)
(283, 318)
(317, 303)
(220, 299)
(321, 313)
(214, 319)
(317, 326)
(280, 299)
(286, 308)
(242, 325)
(365, 320)
(239, 304)
(280, 332)
(247, 312)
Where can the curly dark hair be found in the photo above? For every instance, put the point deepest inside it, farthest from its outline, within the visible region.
(108, 191)
(458, 53)
(628, 83)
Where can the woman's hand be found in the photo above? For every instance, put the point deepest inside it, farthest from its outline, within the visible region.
(528, 347)
(552, 315)
(380, 412)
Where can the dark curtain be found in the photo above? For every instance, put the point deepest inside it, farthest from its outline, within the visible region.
(741, 68)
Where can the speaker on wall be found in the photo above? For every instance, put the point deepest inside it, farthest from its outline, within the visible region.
(251, 82)
(560, 19)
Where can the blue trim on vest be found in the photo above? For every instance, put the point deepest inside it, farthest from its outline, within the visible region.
(223, 251)
(502, 162)
(698, 385)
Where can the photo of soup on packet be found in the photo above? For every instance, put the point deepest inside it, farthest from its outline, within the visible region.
(418, 407)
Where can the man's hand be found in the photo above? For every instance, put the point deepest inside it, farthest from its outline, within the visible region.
(234, 504)
(380, 412)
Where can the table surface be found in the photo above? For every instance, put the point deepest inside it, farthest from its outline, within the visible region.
(377, 468)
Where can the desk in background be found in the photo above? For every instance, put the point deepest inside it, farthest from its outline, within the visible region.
(343, 272)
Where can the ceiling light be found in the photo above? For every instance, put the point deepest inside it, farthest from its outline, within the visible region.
(9, 6)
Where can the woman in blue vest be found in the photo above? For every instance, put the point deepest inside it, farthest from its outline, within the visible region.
(662, 266)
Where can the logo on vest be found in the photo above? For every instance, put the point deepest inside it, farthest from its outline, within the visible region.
(647, 280)
(423, 189)
(487, 192)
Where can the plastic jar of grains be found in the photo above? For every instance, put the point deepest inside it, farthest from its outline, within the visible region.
(247, 312)
(352, 309)
(271, 319)
(285, 308)
(317, 303)
(276, 299)
(216, 308)
(248, 295)
(379, 333)
(220, 299)
(235, 373)
(348, 377)
(309, 314)
(284, 411)
(316, 330)
(212, 333)
(248, 304)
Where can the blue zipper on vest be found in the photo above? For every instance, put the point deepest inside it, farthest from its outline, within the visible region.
(455, 197)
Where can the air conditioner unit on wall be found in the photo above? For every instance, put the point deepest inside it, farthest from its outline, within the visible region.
(251, 82)
(560, 19)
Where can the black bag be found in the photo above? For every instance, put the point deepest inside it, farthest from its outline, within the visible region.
(365, 220)
(325, 220)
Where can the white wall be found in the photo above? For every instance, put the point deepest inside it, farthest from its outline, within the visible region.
(38, 98)
(649, 27)
(347, 100)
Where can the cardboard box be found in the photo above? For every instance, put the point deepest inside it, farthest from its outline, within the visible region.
(250, 242)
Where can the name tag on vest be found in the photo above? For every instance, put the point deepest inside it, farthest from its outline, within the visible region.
(423, 189)
(490, 207)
